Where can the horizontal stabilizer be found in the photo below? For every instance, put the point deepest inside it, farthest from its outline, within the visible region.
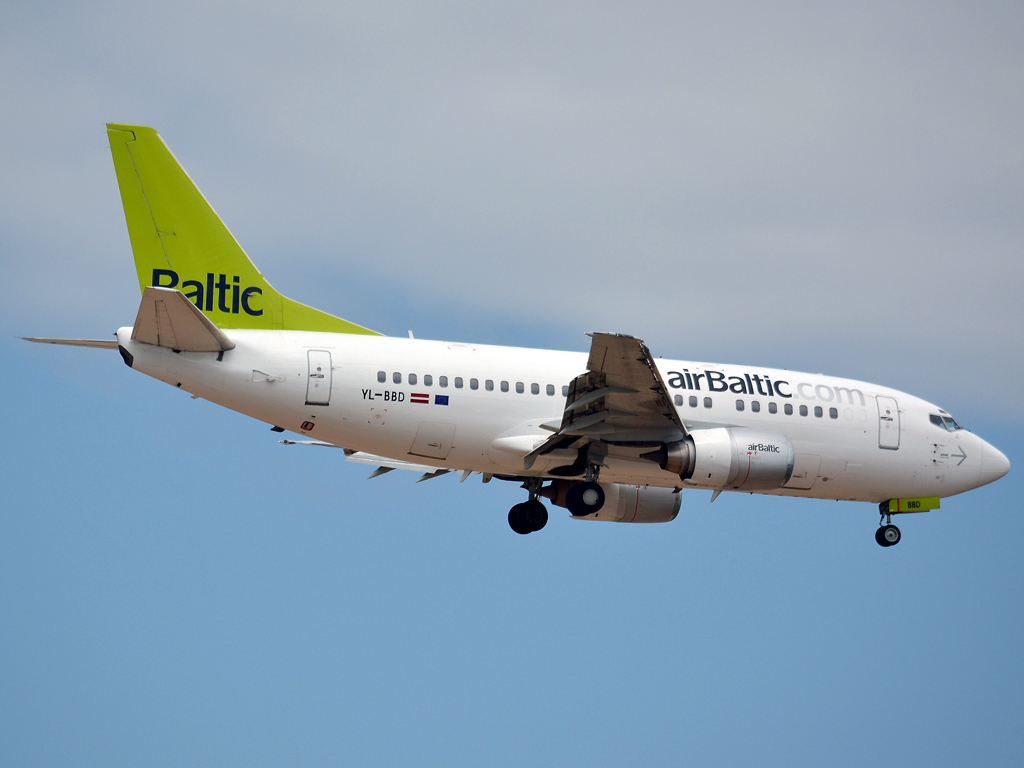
(168, 319)
(97, 343)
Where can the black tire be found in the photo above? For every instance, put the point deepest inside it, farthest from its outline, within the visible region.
(892, 535)
(879, 538)
(516, 521)
(533, 514)
(585, 499)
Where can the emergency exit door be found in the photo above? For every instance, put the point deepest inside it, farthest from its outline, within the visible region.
(888, 423)
(318, 384)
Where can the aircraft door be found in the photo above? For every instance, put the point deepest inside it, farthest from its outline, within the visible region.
(888, 423)
(433, 440)
(318, 384)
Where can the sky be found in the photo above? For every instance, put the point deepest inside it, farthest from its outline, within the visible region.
(812, 186)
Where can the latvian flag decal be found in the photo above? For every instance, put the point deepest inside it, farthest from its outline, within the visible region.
(417, 397)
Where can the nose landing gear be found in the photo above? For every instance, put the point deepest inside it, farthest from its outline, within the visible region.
(887, 535)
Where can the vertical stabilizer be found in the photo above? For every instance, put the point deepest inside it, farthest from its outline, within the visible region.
(179, 242)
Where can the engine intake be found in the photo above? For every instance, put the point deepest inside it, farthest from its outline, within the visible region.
(732, 458)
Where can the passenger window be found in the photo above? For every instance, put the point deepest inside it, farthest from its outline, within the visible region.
(442, 381)
(833, 413)
(788, 409)
(817, 411)
(428, 380)
(535, 389)
(678, 399)
(693, 401)
(412, 378)
(755, 406)
(381, 376)
(504, 386)
(519, 387)
(773, 408)
(396, 377)
(803, 410)
(489, 385)
(739, 405)
(474, 384)
(565, 390)
(707, 402)
(550, 389)
(458, 382)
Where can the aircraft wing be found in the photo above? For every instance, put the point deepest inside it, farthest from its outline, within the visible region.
(620, 399)
(383, 463)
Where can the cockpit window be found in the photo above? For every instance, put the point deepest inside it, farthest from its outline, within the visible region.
(944, 422)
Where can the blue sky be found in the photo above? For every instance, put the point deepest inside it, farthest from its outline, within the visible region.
(820, 189)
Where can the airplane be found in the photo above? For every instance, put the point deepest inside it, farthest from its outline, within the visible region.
(613, 434)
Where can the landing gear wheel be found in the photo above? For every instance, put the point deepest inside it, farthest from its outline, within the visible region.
(585, 499)
(527, 517)
(516, 520)
(888, 535)
(533, 514)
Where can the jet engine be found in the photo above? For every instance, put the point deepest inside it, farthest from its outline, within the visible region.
(624, 503)
(729, 458)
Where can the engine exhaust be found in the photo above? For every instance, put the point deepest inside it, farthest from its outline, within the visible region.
(678, 458)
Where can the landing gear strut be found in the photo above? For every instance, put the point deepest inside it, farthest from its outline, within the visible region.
(587, 497)
(531, 515)
(887, 535)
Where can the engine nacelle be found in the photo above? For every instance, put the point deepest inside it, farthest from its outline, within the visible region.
(732, 458)
(625, 503)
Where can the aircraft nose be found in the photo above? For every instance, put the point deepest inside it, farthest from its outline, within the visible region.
(993, 464)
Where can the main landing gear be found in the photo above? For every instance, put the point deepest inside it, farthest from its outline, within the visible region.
(582, 499)
(887, 535)
(528, 517)
(585, 499)
(531, 515)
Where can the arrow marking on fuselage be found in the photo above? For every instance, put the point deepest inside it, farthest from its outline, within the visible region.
(962, 455)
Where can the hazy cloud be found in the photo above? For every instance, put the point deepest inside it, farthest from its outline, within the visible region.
(821, 186)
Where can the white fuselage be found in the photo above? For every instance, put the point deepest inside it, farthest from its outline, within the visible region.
(838, 453)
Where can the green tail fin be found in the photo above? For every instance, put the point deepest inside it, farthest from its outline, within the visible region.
(180, 242)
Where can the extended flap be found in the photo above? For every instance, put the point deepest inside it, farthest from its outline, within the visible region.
(168, 319)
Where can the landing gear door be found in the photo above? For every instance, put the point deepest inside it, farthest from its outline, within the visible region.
(318, 384)
(888, 423)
